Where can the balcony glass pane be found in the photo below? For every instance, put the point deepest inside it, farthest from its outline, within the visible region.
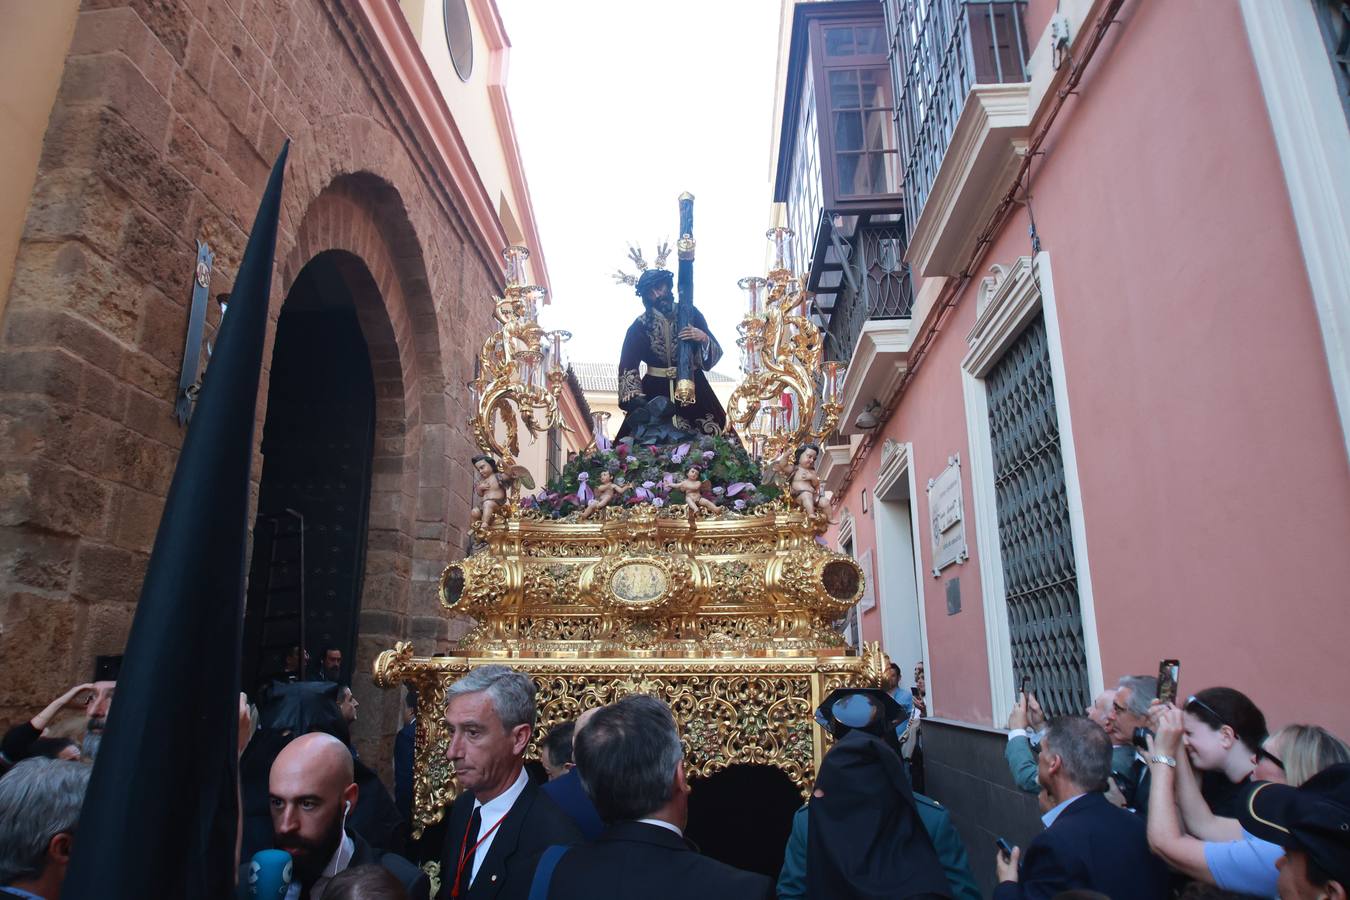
(880, 130)
(850, 174)
(839, 41)
(870, 40)
(848, 131)
(844, 89)
(876, 88)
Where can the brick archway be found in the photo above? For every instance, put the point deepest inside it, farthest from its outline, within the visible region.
(360, 223)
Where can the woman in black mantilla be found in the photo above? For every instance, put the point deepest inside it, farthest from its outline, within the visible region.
(651, 339)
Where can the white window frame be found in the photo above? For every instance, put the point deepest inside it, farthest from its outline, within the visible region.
(1308, 122)
(901, 464)
(1007, 303)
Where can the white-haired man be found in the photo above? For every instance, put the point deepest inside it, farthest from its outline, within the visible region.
(40, 802)
(500, 822)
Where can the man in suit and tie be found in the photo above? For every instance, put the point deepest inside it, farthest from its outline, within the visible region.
(565, 788)
(632, 765)
(500, 822)
(1087, 843)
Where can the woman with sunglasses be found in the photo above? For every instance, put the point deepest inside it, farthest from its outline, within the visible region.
(1217, 850)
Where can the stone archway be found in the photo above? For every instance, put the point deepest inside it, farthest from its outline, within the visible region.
(360, 227)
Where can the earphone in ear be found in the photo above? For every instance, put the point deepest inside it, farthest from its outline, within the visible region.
(347, 807)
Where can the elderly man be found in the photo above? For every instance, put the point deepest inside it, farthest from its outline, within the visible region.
(311, 791)
(500, 821)
(40, 802)
(632, 764)
(1129, 710)
(1087, 844)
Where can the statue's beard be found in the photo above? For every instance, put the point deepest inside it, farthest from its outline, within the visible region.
(665, 306)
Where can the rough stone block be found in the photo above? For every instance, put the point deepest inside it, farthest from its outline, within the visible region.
(34, 627)
(136, 518)
(108, 574)
(47, 371)
(113, 79)
(58, 500)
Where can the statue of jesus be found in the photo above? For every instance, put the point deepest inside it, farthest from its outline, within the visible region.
(649, 399)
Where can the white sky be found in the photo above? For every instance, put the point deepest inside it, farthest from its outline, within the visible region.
(621, 105)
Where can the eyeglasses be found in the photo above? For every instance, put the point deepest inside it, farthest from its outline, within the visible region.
(1263, 753)
(1196, 701)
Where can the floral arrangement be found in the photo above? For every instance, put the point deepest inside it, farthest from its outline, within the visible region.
(653, 470)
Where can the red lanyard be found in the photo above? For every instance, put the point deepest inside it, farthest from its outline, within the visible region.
(465, 850)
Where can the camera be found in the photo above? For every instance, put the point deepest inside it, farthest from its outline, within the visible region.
(1141, 736)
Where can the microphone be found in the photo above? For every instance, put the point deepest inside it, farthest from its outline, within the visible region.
(269, 874)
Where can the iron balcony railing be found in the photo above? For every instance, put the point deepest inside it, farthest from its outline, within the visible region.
(938, 49)
(879, 287)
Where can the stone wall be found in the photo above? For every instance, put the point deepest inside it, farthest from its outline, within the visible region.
(168, 117)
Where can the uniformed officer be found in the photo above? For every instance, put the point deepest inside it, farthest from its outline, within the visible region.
(871, 712)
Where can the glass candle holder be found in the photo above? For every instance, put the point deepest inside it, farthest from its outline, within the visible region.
(832, 381)
(515, 257)
(753, 286)
(781, 238)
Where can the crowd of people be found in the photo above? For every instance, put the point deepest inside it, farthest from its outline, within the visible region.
(1141, 798)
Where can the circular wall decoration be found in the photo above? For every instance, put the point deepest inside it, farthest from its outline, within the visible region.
(459, 37)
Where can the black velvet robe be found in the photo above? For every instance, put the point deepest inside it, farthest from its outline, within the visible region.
(651, 340)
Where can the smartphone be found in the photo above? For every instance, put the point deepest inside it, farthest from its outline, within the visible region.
(1169, 673)
(1026, 685)
(1004, 848)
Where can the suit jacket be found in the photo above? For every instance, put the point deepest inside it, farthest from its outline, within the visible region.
(635, 859)
(533, 823)
(414, 880)
(1093, 846)
(568, 792)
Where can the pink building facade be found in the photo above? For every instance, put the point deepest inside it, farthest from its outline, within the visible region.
(1105, 421)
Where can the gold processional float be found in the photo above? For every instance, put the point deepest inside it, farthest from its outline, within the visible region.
(727, 616)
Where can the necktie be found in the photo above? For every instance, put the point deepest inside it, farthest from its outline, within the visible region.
(475, 825)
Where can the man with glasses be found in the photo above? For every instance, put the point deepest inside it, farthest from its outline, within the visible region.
(1129, 710)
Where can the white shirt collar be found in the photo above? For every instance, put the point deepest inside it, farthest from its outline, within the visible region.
(669, 826)
(501, 804)
(1050, 817)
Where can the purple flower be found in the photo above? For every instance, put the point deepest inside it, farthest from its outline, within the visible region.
(708, 454)
(658, 502)
(680, 453)
(719, 490)
(734, 489)
(739, 504)
(649, 484)
(643, 493)
(583, 476)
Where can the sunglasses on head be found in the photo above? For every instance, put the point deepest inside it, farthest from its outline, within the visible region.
(1263, 753)
(1196, 701)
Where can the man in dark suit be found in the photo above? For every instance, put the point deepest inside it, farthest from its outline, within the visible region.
(632, 765)
(565, 787)
(1087, 843)
(500, 822)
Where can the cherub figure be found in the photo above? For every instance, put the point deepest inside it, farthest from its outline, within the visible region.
(490, 490)
(692, 486)
(605, 492)
(805, 482)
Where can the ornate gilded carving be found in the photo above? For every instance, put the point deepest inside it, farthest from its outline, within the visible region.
(730, 711)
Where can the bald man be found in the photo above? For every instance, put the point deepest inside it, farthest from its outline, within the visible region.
(312, 789)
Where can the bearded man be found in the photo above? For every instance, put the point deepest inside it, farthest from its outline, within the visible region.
(653, 339)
